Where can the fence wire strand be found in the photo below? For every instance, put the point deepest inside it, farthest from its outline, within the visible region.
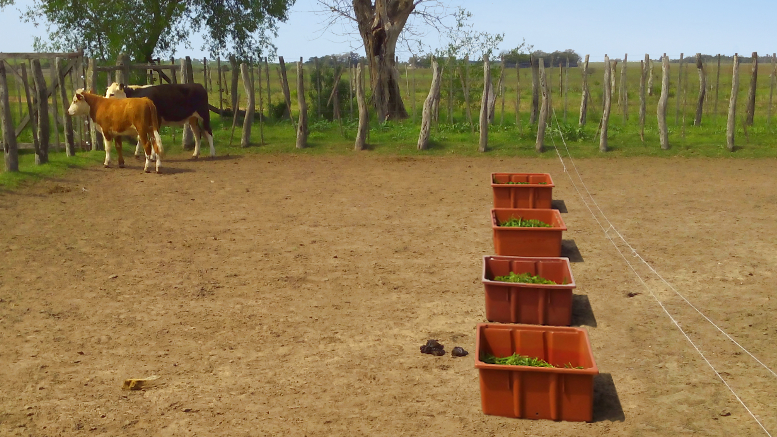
(635, 254)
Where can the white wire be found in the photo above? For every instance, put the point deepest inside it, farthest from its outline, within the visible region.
(606, 233)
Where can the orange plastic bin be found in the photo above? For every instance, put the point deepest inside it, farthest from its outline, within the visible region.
(522, 190)
(509, 241)
(557, 393)
(536, 304)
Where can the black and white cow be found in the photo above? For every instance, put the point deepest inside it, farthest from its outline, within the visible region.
(176, 104)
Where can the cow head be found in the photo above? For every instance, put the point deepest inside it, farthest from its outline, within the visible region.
(79, 106)
(116, 91)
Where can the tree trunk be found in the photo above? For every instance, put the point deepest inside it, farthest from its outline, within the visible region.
(751, 94)
(379, 27)
(663, 133)
(10, 149)
(608, 72)
(42, 109)
(584, 99)
(535, 85)
(248, 119)
(302, 126)
(702, 90)
(642, 100)
(364, 115)
(483, 144)
(539, 145)
(426, 115)
(732, 106)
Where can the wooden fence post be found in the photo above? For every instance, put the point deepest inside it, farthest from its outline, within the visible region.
(173, 73)
(608, 71)
(679, 91)
(415, 67)
(302, 126)
(235, 72)
(42, 102)
(121, 73)
(267, 82)
(751, 94)
(18, 92)
(732, 105)
(663, 133)
(221, 89)
(317, 76)
(465, 88)
(501, 90)
(650, 78)
(285, 88)
(535, 84)
(483, 144)
(95, 136)
(717, 89)
(772, 78)
(10, 148)
(702, 90)
(426, 115)
(642, 100)
(584, 99)
(187, 76)
(30, 108)
(248, 119)
(54, 103)
(261, 98)
(623, 92)
(566, 90)
(518, 96)
(205, 74)
(69, 140)
(539, 145)
(364, 115)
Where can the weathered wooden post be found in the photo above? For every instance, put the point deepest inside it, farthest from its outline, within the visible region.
(187, 76)
(10, 148)
(650, 78)
(501, 90)
(285, 87)
(465, 87)
(95, 136)
(566, 89)
(663, 133)
(732, 106)
(415, 67)
(245, 139)
(535, 85)
(267, 82)
(351, 88)
(317, 76)
(518, 96)
(364, 116)
(42, 110)
(608, 71)
(539, 145)
(235, 71)
(221, 89)
(205, 74)
(642, 100)
(702, 90)
(173, 74)
(484, 105)
(772, 78)
(121, 76)
(613, 68)
(261, 109)
(54, 104)
(717, 90)
(623, 91)
(30, 108)
(426, 115)
(584, 100)
(69, 140)
(302, 126)
(679, 92)
(751, 93)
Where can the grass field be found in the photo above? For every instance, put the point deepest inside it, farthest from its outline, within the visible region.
(506, 136)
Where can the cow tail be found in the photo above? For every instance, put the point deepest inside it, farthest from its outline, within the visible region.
(155, 125)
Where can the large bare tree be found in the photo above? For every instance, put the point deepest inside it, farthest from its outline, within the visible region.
(380, 23)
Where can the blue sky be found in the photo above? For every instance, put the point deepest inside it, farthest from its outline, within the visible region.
(595, 27)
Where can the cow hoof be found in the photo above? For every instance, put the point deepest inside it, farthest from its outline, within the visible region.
(121, 165)
(139, 157)
(106, 166)
(195, 157)
(147, 171)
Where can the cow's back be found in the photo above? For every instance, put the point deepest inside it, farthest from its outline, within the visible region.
(174, 102)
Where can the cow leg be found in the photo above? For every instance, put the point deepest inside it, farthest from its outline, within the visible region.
(108, 144)
(138, 148)
(118, 151)
(210, 140)
(195, 127)
(205, 114)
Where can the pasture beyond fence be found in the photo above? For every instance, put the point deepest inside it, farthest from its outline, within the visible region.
(35, 89)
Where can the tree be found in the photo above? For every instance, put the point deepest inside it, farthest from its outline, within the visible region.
(380, 23)
(144, 28)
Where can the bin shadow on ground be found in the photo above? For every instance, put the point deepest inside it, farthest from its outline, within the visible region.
(569, 250)
(559, 205)
(607, 404)
(582, 313)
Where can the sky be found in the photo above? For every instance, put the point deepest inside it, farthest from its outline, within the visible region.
(594, 27)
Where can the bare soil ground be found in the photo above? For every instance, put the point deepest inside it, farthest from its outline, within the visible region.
(289, 295)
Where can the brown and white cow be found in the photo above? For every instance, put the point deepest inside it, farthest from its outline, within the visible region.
(121, 117)
(176, 104)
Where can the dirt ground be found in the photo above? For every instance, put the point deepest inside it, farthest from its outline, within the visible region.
(289, 296)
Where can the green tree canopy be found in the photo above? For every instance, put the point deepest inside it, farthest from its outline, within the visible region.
(145, 29)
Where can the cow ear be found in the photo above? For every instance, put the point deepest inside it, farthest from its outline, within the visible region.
(79, 96)
(121, 87)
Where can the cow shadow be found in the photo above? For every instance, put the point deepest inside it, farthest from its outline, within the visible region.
(205, 158)
(607, 404)
(559, 205)
(582, 313)
(570, 250)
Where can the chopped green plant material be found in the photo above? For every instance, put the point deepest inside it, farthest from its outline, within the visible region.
(524, 223)
(517, 183)
(521, 360)
(526, 278)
